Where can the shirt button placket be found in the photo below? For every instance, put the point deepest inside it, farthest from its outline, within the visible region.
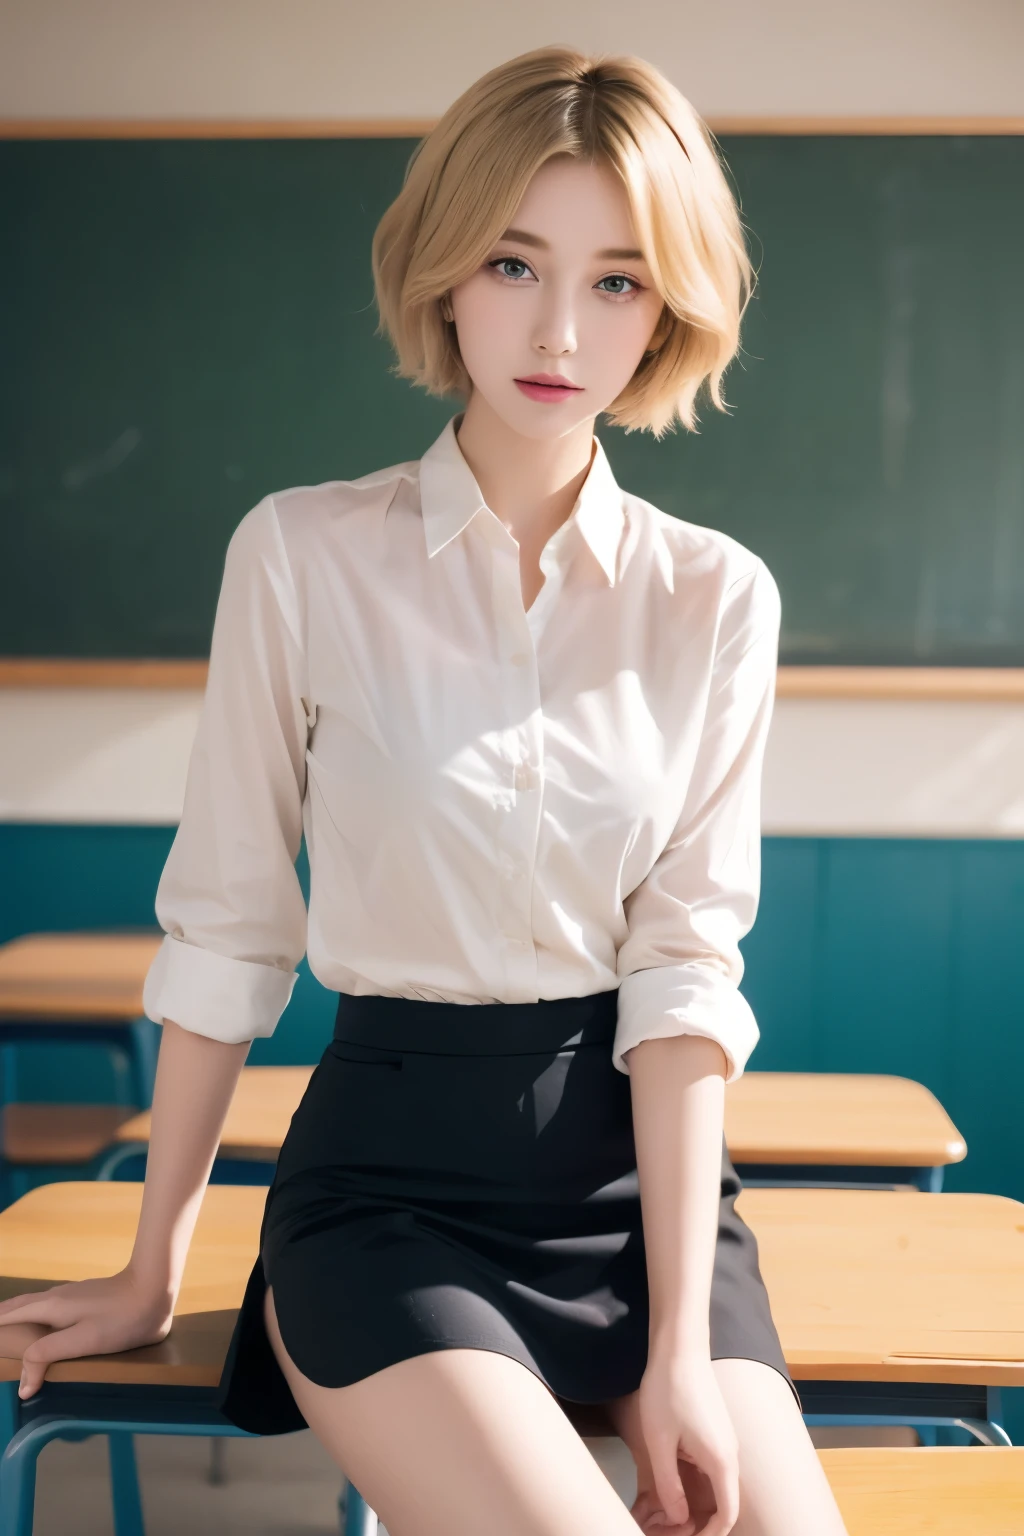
(519, 828)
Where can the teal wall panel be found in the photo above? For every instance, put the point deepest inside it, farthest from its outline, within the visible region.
(780, 954)
(886, 955)
(986, 1045)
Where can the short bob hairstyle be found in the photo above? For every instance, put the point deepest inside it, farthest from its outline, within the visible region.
(465, 179)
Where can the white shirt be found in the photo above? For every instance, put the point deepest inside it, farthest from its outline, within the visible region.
(499, 804)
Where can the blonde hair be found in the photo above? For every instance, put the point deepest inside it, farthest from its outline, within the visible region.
(465, 179)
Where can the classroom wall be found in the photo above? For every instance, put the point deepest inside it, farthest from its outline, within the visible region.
(833, 767)
(888, 937)
(402, 58)
(109, 764)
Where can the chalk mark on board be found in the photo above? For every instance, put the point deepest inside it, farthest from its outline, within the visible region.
(897, 359)
(104, 463)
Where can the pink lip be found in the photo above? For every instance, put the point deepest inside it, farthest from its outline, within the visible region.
(546, 394)
(551, 380)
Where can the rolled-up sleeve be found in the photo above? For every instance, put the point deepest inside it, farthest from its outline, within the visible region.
(680, 964)
(229, 898)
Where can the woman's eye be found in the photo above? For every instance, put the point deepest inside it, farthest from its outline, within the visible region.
(508, 261)
(616, 277)
(620, 277)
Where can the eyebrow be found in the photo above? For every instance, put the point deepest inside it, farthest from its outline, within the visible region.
(614, 253)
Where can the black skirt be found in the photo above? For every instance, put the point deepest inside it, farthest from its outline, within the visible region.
(464, 1176)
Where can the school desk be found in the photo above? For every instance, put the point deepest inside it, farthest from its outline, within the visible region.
(949, 1491)
(839, 1128)
(256, 1124)
(781, 1127)
(82, 987)
(893, 1307)
(899, 1306)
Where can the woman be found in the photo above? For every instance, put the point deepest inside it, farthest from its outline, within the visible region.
(520, 715)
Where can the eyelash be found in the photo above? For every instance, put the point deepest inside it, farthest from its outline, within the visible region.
(501, 260)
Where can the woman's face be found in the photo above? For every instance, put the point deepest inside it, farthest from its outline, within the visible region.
(565, 292)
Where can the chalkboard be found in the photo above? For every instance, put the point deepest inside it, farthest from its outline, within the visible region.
(187, 325)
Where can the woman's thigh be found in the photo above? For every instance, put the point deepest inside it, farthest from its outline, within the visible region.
(783, 1487)
(459, 1442)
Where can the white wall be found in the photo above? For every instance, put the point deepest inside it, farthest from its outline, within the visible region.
(410, 58)
(853, 767)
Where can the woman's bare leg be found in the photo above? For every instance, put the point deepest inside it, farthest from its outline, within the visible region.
(459, 1442)
(783, 1487)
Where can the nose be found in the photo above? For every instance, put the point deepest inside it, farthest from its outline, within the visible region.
(555, 327)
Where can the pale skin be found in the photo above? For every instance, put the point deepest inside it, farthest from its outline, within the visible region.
(465, 1440)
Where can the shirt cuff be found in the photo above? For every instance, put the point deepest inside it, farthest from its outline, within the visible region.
(208, 994)
(668, 1000)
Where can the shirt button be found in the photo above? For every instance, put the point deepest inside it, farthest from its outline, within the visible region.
(519, 658)
(523, 778)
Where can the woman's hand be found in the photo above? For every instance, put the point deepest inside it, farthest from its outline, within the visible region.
(195, 1079)
(84, 1317)
(688, 1462)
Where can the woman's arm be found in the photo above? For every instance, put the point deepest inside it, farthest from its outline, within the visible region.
(684, 1030)
(234, 919)
(195, 1080)
(678, 1093)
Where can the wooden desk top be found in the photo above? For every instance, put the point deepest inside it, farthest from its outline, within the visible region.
(71, 976)
(865, 1285)
(838, 1117)
(73, 1231)
(771, 1117)
(941, 1490)
(878, 1285)
(258, 1117)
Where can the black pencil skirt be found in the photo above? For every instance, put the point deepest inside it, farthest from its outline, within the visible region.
(464, 1176)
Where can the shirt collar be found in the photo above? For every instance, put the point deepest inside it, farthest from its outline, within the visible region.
(450, 498)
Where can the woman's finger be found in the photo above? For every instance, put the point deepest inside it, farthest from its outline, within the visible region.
(724, 1480)
(15, 1338)
(25, 1299)
(34, 1310)
(66, 1344)
(664, 1453)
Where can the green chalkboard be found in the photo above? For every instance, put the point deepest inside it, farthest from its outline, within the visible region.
(187, 325)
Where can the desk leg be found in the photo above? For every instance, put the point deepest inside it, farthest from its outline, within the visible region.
(18, 1464)
(360, 1519)
(9, 1419)
(124, 1487)
(18, 1477)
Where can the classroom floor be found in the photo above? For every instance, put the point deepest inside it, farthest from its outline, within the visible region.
(283, 1485)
